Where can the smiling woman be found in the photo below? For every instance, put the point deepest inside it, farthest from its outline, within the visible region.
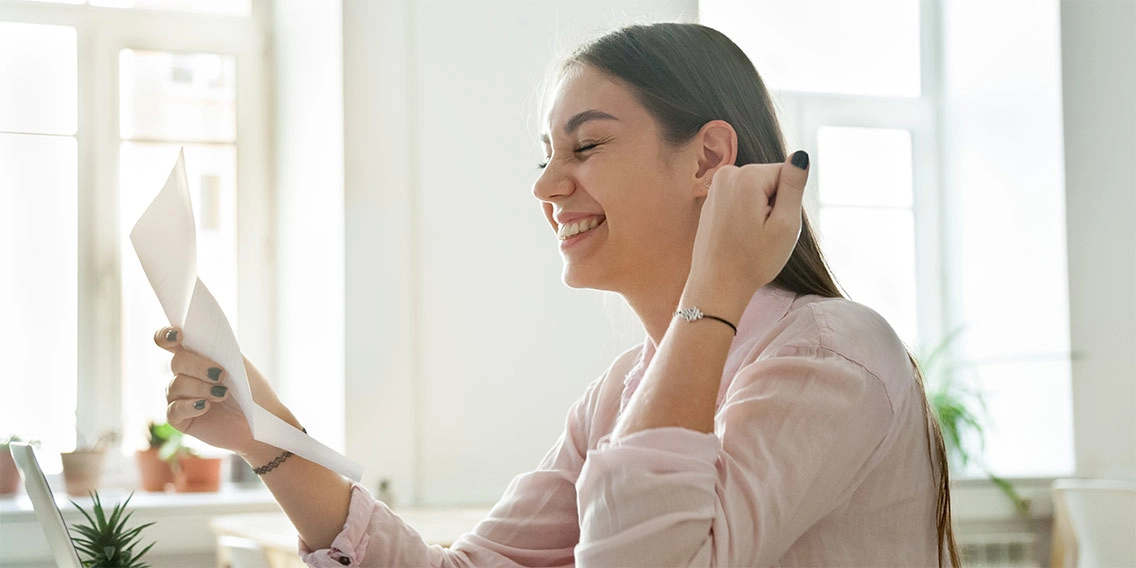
(764, 420)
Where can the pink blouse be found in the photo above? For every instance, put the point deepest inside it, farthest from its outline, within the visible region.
(819, 457)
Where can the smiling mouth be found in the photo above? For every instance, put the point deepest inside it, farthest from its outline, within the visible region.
(569, 230)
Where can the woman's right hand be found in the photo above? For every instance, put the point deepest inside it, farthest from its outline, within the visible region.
(200, 403)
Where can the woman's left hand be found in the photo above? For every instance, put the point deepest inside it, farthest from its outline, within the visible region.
(748, 228)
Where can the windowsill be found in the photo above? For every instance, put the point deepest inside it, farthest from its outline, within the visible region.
(181, 520)
(979, 500)
(19, 506)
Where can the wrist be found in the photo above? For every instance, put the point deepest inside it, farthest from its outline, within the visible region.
(715, 300)
(258, 453)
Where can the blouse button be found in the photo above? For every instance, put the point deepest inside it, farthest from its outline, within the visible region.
(344, 560)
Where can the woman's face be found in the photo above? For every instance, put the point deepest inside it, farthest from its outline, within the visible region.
(622, 201)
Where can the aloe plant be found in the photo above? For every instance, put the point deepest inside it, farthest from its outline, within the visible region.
(107, 541)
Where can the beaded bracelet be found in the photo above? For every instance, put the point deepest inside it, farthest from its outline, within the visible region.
(275, 463)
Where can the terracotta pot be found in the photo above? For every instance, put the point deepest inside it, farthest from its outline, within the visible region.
(82, 471)
(9, 476)
(154, 473)
(198, 474)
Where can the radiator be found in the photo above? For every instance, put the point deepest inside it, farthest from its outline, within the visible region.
(1004, 550)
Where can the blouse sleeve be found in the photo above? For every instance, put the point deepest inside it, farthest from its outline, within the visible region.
(534, 524)
(794, 436)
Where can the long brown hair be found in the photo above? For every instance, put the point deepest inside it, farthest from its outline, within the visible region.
(687, 75)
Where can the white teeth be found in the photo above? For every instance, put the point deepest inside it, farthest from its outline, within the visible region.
(569, 230)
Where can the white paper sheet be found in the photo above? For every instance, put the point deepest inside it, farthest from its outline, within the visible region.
(166, 243)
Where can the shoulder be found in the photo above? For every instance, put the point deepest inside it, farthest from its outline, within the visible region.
(815, 326)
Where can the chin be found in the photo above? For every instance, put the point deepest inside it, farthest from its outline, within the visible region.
(573, 277)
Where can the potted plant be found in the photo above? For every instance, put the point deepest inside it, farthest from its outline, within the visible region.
(154, 472)
(9, 475)
(960, 412)
(192, 472)
(106, 541)
(83, 468)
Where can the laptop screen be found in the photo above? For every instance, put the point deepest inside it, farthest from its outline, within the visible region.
(45, 509)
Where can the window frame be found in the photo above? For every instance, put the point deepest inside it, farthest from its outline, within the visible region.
(101, 34)
(803, 113)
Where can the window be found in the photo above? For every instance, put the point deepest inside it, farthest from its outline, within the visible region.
(929, 161)
(38, 228)
(88, 134)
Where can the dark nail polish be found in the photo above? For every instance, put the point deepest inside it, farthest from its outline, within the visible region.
(218, 390)
(214, 373)
(172, 335)
(801, 159)
(199, 404)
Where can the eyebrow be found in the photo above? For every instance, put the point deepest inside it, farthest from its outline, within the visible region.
(580, 118)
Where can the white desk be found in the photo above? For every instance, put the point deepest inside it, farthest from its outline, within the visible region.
(274, 534)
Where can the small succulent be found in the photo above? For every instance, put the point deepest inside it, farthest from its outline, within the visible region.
(106, 542)
(173, 449)
(160, 434)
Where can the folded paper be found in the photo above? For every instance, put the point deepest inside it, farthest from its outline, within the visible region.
(165, 240)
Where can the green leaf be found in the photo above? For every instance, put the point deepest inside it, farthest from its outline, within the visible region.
(108, 541)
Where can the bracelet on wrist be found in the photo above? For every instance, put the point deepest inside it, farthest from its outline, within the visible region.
(694, 314)
(275, 463)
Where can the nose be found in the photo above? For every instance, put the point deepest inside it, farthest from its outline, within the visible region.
(552, 183)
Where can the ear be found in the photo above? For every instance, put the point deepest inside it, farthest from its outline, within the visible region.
(716, 145)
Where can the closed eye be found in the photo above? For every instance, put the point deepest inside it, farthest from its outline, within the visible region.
(587, 146)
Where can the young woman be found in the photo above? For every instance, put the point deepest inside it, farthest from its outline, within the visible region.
(764, 421)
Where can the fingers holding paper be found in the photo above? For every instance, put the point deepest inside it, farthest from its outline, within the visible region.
(199, 400)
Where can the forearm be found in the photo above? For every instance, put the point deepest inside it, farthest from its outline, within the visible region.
(680, 388)
(315, 498)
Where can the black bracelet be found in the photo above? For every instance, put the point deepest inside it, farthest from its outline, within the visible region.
(695, 314)
(275, 463)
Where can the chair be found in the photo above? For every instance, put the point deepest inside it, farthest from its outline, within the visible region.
(1101, 517)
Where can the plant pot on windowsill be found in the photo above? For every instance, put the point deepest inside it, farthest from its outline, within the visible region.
(82, 471)
(154, 472)
(192, 472)
(83, 468)
(197, 474)
(9, 476)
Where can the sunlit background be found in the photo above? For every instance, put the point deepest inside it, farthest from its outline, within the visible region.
(360, 177)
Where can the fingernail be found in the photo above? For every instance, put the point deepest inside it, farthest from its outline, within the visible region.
(801, 159)
(172, 335)
(218, 390)
(214, 374)
(199, 404)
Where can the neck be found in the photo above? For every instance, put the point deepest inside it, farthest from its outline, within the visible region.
(655, 308)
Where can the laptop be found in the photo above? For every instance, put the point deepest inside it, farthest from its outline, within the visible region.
(45, 509)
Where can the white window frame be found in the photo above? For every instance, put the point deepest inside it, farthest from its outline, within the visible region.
(101, 34)
(804, 113)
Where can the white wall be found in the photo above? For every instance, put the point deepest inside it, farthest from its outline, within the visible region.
(1099, 81)
(464, 350)
(308, 370)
